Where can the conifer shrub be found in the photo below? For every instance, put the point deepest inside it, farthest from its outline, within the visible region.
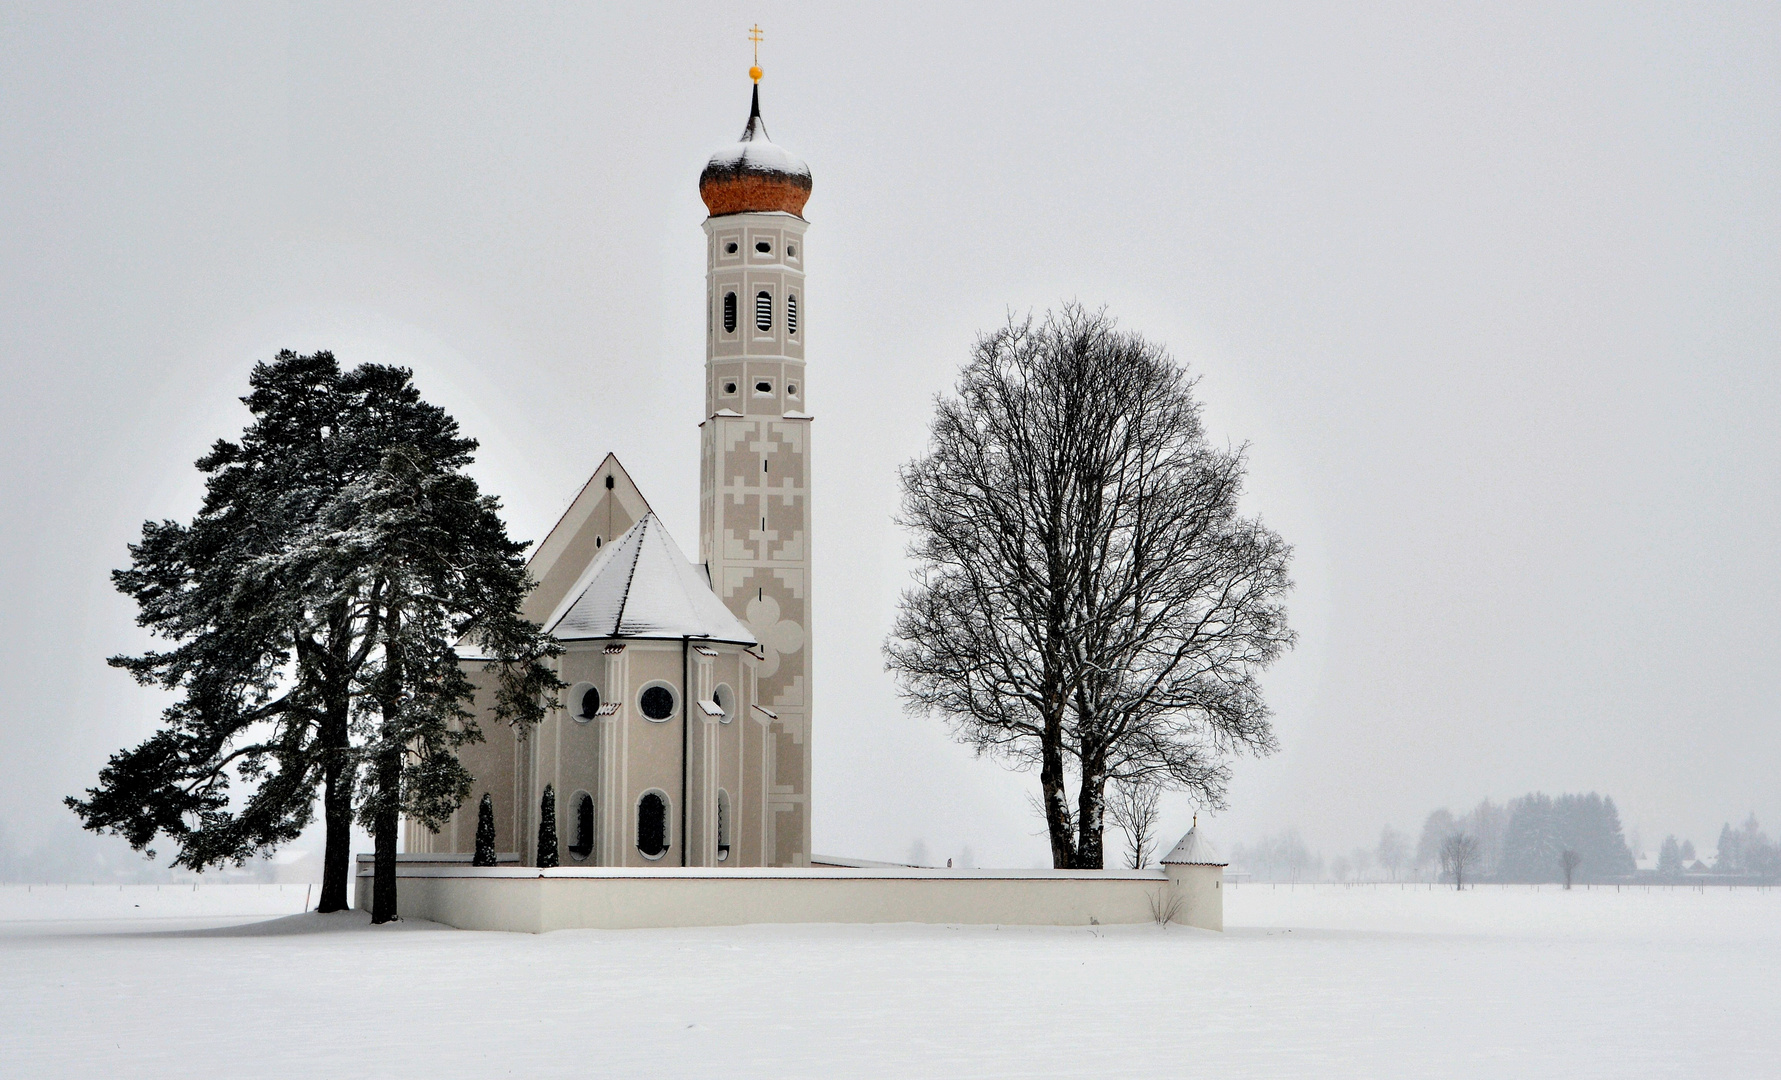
(547, 828)
(485, 832)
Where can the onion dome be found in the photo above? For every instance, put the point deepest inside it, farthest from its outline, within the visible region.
(756, 175)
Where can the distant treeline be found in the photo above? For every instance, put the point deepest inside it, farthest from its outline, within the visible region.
(1523, 840)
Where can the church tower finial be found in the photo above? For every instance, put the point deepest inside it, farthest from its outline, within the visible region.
(755, 35)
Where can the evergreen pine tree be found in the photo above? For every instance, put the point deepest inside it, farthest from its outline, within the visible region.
(547, 828)
(485, 832)
(340, 555)
(1669, 858)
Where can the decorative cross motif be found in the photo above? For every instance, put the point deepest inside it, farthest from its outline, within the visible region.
(755, 35)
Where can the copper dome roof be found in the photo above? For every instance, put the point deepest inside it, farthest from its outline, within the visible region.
(755, 175)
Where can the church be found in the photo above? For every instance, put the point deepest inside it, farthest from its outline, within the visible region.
(683, 735)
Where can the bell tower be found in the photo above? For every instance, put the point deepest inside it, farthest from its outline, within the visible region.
(754, 505)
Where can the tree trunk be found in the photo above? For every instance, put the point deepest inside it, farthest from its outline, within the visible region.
(1057, 803)
(1091, 804)
(383, 896)
(337, 785)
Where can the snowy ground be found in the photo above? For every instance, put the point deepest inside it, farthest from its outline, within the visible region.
(1321, 981)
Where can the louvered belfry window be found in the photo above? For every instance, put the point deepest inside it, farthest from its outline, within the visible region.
(763, 311)
(791, 314)
(729, 313)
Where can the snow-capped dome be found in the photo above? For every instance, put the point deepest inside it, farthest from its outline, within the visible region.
(642, 586)
(755, 175)
(1193, 850)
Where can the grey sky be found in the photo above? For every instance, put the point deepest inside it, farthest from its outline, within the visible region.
(1492, 292)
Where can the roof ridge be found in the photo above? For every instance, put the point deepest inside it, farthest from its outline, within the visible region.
(618, 621)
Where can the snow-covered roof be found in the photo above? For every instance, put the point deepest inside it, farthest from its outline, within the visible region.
(1193, 850)
(755, 175)
(642, 586)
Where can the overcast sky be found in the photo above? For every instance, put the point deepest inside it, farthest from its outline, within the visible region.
(1492, 293)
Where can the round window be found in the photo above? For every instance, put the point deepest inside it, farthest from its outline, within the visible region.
(730, 248)
(657, 702)
(726, 700)
(791, 250)
(729, 388)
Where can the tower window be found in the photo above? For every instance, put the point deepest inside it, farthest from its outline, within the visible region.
(791, 251)
(652, 824)
(729, 313)
(584, 826)
(730, 248)
(763, 247)
(763, 387)
(723, 825)
(656, 701)
(791, 388)
(791, 314)
(608, 483)
(729, 388)
(763, 311)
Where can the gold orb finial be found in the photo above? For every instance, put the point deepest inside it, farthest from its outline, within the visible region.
(755, 35)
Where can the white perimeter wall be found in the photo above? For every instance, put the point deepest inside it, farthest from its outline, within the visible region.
(536, 901)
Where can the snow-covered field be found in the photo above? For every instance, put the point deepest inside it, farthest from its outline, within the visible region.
(1322, 981)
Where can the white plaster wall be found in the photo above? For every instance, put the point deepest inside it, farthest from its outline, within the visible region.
(534, 901)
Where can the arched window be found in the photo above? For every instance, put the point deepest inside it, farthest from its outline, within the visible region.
(584, 825)
(657, 701)
(723, 825)
(763, 311)
(791, 313)
(652, 824)
(729, 313)
(584, 701)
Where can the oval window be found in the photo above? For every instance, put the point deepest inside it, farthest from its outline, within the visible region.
(763, 311)
(652, 825)
(657, 702)
(763, 247)
(729, 388)
(791, 314)
(763, 387)
(729, 313)
(725, 700)
(587, 702)
(584, 826)
(730, 248)
(791, 251)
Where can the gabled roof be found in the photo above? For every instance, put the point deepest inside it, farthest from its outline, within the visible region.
(641, 586)
(1193, 850)
(607, 505)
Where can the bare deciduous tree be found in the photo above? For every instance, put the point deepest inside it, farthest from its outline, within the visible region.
(1458, 852)
(1568, 861)
(1135, 806)
(1393, 851)
(1089, 601)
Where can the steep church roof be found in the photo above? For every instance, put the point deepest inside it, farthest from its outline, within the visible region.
(1193, 850)
(642, 586)
(607, 505)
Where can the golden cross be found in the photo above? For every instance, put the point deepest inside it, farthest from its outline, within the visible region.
(755, 35)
